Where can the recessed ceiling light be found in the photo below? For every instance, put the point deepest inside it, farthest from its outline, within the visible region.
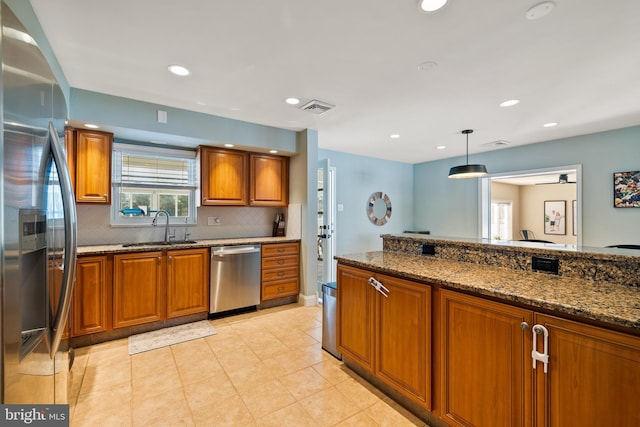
(228, 145)
(550, 124)
(179, 70)
(430, 6)
(91, 126)
(441, 147)
(273, 151)
(394, 136)
(427, 65)
(292, 101)
(510, 103)
(539, 10)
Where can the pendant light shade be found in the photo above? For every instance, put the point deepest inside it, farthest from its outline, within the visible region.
(467, 170)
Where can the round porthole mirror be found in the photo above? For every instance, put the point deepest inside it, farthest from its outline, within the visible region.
(378, 208)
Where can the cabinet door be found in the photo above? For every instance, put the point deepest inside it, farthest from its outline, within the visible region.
(485, 359)
(70, 147)
(138, 289)
(269, 180)
(224, 177)
(93, 166)
(403, 338)
(91, 296)
(187, 282)
(593, 376)
(355, 315)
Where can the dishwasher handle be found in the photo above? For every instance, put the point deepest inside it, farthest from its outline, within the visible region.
(234, 250)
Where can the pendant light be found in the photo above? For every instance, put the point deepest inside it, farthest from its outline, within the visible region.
(467, 171)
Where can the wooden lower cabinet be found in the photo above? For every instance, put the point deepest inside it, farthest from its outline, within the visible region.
(387, 335)
(139, 288)
(485, 362)
(593, 376)
(487, 376)
(187, 282)
(280, 270)
(354, 315)
(91, 297)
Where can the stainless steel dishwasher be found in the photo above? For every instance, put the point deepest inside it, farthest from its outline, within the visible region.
(235, 277)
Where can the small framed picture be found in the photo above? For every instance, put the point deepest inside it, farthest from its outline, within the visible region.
(555, 219)
(626, 189)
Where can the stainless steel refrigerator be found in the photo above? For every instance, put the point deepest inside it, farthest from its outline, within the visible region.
(37, 208)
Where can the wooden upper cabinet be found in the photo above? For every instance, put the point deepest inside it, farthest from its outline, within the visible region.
(89, 159)
(224, 177)
(269, 180)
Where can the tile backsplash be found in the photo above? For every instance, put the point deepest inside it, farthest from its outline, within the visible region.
(94, 225)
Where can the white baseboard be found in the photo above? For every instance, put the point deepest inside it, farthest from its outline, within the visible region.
(307, 300)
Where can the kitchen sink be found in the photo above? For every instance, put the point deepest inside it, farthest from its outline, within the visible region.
(169, 243)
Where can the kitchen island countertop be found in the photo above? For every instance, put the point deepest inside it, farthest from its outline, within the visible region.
(612, 304)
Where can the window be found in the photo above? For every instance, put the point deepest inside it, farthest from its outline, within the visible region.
(501, 222)
(147, 180)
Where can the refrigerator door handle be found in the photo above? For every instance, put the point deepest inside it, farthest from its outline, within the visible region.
(70, 239)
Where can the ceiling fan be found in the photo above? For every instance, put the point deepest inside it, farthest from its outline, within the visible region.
(563, 178)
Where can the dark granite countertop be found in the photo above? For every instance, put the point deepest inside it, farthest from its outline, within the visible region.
(122, 248)
(606, 302)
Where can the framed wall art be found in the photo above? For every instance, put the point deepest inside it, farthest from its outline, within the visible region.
(555, 218)
(626, 189)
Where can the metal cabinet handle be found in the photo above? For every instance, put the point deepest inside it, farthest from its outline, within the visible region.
(280, 261)
(280, 273)
(524, 326)
(378, 286)
(535, 354)
(280, 249)
(281, 289)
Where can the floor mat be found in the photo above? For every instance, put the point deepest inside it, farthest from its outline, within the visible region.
(169, 336)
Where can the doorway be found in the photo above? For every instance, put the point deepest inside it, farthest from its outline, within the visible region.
(326, 227)
(532, 190)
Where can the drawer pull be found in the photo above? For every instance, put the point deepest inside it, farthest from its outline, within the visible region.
(280, 249)
(280, 273)
(281, 289)
(280, 261)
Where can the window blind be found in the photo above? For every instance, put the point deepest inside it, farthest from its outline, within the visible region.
(142, 170)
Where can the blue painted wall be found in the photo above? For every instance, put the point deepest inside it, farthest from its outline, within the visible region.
(356, 178)
(130, 114)
(449, 207)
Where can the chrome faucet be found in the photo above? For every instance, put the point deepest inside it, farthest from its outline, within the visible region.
(166, 226)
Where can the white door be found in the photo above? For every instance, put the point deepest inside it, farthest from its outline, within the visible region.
(326, 239)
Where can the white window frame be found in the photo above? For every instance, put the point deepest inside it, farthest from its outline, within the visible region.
(509, 225)
(146, 150)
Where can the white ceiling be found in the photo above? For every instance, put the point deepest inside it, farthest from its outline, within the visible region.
(579, 66)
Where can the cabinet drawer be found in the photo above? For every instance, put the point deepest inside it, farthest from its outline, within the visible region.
(281, 288)
(279, 249)
(283, 261)
(280, 273)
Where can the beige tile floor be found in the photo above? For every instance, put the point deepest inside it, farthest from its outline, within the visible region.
(260, 369)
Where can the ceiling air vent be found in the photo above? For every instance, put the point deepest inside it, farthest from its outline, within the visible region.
(497, 144)
(317, 107)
